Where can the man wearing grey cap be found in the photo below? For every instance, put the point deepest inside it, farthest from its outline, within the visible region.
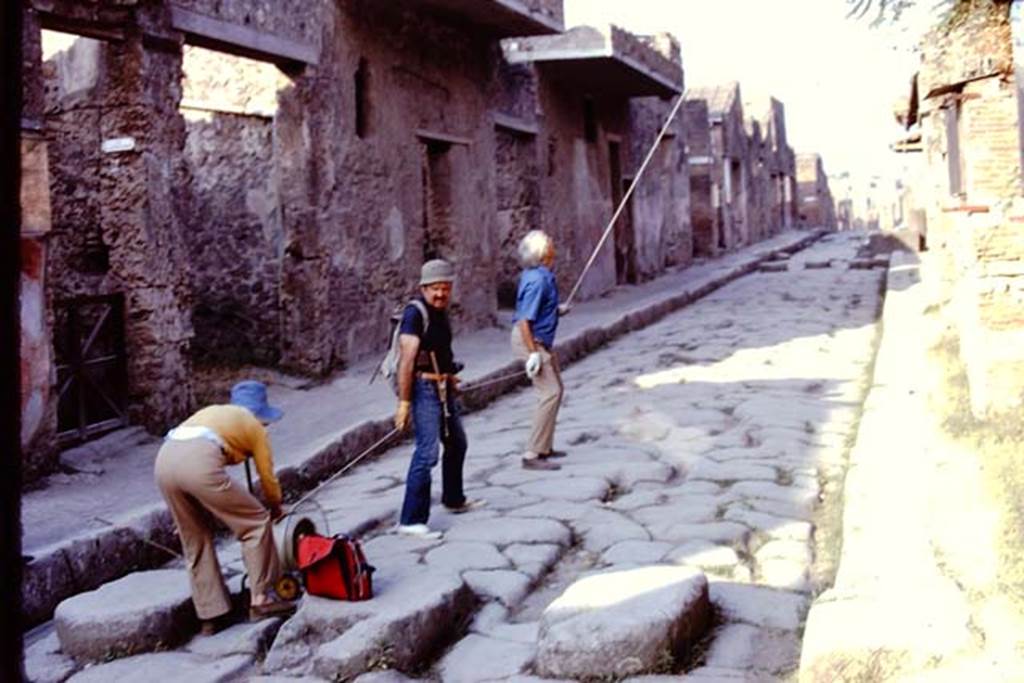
(426, 398)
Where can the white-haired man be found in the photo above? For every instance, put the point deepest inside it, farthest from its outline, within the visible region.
(533, 339)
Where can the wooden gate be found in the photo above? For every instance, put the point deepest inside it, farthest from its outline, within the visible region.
(91, 371)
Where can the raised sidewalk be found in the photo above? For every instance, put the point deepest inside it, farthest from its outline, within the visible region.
(85, 529)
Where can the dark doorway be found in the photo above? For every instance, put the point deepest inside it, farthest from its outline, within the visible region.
(438, 240)
(91, 370)
(625, 242)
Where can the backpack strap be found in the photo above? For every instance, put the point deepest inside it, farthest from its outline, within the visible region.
(422, 308)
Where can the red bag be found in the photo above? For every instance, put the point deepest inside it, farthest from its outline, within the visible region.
(335, 567)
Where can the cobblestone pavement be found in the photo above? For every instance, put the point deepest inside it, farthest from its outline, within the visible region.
(714, 438)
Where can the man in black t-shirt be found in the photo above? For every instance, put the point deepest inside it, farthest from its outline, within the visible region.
(426, 398)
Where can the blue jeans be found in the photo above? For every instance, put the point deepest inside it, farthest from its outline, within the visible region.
(427, 421)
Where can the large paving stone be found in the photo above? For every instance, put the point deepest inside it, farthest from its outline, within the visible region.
(507, 586)
(137, 613)
(241, 639)
(408, 628)
(578, 489)
(479, 658)
(534, 559)
(172, 667)
(703, 554)
(44, 662)
(725, 533)
(687, 511)
(636, 552)
(622, 622)
(561, 510)
(759, 605)
(755, 649)
(732, 470)
(402, 595)
(509, 530)
(600, 529)
(461, 555)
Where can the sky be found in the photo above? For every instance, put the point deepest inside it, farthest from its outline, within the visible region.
(837, 77)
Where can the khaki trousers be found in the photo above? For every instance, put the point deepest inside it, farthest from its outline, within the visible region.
(548, 384)
(192, 479)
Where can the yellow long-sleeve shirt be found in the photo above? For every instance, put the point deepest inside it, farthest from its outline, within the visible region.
(244, 436)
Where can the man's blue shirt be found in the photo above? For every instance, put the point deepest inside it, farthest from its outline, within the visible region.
(537, 302)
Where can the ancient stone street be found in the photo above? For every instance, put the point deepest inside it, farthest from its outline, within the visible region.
(713, 440)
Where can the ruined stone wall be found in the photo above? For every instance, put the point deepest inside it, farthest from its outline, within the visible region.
(115, 134)
(576, 192)
(231, 208)
(517, 193)
(661, 201)
(990, 140)
(704, 183)
(975, 229)
(382, 202)
(519, 169)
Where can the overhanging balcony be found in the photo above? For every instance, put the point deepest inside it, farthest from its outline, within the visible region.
(503, 18)
(606, 61)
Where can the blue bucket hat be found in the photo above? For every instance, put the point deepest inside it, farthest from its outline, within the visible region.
(253, 395)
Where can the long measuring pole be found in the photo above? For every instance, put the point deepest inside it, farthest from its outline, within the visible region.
(625, 198)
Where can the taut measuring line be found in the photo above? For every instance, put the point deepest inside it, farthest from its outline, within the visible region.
(625, 198)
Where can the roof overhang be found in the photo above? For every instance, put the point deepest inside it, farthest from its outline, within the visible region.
(607, 62)
(503, 18)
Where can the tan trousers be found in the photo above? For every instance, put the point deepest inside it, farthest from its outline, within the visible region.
(192, 479)
(548, 384)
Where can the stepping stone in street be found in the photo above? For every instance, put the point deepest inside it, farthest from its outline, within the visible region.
(136, 613)
(622, 622)
(408, 618)
(167, 666)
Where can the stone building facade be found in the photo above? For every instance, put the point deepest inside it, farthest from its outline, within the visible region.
(248, 181)
(964, 112)
(731, 155)
(705, 180)
(815, 204)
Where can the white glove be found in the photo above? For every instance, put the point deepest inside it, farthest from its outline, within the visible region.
(563, 309)
(532, 365)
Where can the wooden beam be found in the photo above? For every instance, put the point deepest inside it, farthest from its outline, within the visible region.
(224, 36)
(434, 136)
(515, 125)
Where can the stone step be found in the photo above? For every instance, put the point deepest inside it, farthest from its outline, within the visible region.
(623, 622)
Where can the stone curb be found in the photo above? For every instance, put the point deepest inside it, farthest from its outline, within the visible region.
(90, 560)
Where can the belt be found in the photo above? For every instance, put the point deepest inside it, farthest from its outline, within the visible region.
(189, 432)
(434, 377)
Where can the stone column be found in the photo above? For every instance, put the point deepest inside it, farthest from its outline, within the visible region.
(305, 283)
(142, 137)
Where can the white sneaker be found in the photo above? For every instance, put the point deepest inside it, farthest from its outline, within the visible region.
(417, 530)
